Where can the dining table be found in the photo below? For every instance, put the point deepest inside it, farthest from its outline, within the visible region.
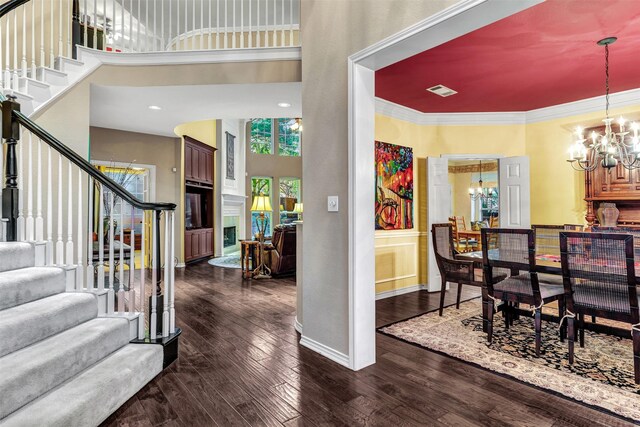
(545, 264)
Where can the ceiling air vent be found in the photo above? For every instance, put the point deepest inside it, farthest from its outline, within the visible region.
(442, 91)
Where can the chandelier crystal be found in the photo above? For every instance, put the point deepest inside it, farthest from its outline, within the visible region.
(612, 148)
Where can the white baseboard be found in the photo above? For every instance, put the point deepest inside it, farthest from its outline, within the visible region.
(180, 265)
(328, 352)
(298, 326)
(401, 291)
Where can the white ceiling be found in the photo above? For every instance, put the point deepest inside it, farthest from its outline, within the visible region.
(127, 108)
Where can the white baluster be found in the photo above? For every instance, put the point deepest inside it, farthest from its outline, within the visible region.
(122, 33)
(275, 28)
(172, 281)
(155, 31)
(4, 83)
(186, 24)
(131, 25)
(113, 28)
(43, 55)
(104, 26)
(59, 242)
(201, 24)
(85, 24)
(169, 39)
(69, 245)
(23, 63)
(290, 22)
(162, 28)
(33, 39)
(217, 24)
(101, 238)
(39, 219)
(233, 25)
(241, 23)
(20, 222)
(60, 30)
(250, 27)
(49, 209)
(80, 263)
(52, 56)
(153, 322)
(132, 271)
(177, 43)
(209, 30)
(90, 283)
(226, 28)
(121, 263)
(193, 26)
(112, 270)
(70, 18)
(143, 270)
(94, 24)
(7, 52)
(29, 223)
(167, 275)
(15, 84)
(282, 24)
(138, 28)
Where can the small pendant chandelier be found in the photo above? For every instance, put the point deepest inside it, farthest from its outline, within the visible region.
(479, 193)
(612, 148)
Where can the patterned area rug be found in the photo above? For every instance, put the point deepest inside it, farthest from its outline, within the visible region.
(232, 261)
(601, 376)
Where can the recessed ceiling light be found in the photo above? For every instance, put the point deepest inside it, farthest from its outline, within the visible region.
(442, 91)
(154, 107)
(284, 104)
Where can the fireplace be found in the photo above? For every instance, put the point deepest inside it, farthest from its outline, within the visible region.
(229, 234)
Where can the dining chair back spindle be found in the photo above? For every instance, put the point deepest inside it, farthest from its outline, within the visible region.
(598, 270)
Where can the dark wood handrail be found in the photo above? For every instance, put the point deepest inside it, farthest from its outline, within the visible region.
(88, 167)
(10, 5)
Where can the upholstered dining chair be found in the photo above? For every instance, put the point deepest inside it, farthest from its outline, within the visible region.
(514, 251)
(451, 269)
(599, 280)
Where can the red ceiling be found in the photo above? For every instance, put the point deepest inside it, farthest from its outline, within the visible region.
(545, 55)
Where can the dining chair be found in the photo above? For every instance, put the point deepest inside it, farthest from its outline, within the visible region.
(598, 270)
(494, 222)
(463, 244)
(451, 269)
(514, 251)
(547, 239)
(574, 227)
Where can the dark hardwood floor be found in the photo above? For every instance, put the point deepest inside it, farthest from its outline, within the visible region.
(240, 364)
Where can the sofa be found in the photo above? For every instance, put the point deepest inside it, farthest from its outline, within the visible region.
(280, 255)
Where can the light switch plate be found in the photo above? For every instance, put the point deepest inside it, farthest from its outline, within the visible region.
(332, 203)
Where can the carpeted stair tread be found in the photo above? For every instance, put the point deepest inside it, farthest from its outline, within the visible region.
(32, 371)
(14, 255)
(90, 397)
(29, 284)
(29, 323)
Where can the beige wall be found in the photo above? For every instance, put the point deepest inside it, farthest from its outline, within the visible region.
(164, 153)
(345, 28)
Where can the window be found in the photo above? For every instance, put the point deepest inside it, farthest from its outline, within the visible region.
(289, 196)
(261, 136)
(133, 180)
(261, 186)
(289, 137)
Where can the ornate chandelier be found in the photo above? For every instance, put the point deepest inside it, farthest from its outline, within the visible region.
(612, 148)
(479, 193)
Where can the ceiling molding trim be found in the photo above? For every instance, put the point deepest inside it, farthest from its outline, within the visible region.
(401, 112)
(191, 57)
(590, 105)
(584, 106)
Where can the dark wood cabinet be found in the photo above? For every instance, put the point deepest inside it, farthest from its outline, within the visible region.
(616, 185)
(199, 176)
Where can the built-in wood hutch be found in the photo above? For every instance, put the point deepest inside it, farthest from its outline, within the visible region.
(199, 199)
(617, 185)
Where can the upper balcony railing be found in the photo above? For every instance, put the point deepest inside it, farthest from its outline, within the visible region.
(35, 34)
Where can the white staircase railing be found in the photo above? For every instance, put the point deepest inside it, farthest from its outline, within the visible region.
(36, 34)
(69, 219)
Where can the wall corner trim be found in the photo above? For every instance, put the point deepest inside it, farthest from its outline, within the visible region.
(297, 325)
(326, 351)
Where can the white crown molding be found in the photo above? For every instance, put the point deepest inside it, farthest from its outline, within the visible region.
(326, 351)
(583, 106)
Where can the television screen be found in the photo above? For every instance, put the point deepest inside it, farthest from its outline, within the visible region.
(193, 207)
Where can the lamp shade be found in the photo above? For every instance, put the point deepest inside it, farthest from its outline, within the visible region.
(298, 208)
(261, 203)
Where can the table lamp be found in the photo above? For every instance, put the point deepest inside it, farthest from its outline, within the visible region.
(262, 204)
(298, 209)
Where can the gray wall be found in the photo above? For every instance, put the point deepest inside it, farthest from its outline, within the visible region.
(331, 31)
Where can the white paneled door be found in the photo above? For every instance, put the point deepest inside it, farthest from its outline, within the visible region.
(515, 199)
(438, 208)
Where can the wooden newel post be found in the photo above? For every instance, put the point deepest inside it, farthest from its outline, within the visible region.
(11, 135)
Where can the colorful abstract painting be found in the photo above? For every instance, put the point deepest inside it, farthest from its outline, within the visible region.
(394, 187)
